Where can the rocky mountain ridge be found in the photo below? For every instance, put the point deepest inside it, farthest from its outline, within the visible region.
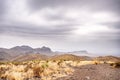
(8, 54)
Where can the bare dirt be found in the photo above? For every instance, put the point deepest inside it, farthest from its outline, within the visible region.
(94, 72)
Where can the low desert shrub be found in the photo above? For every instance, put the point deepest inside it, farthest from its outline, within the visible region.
(115, 65)
(45, 65)
(37, 71)
(1, 63)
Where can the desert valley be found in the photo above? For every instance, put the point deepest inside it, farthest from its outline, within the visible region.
(59, 39)
(26, 63)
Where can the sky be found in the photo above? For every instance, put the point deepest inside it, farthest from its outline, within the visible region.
(62, 25)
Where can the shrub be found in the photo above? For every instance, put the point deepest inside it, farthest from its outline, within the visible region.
(45, 65)
(37, 71)
(1, 63)
(115, 65)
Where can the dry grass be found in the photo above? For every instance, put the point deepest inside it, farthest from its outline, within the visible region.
(45, 70)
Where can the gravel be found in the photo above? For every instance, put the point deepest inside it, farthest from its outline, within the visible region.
(94, 72)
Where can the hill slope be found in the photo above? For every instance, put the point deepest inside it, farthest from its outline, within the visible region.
(28, 57)
(69, 57)
(108, 58)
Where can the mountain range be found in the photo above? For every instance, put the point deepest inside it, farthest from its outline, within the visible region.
(8, 54)
(27, 51)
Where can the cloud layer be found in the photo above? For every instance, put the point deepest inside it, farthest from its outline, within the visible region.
(62, 24)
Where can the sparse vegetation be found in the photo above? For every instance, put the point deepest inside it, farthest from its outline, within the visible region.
(34, 69)
(66, 57)
(48, 69)
(115, 65)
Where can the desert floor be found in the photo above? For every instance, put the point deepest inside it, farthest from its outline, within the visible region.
(94, 72)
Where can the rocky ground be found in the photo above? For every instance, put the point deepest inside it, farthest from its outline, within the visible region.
(94, 72)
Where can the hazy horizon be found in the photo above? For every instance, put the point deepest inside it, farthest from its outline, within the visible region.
(62, 25)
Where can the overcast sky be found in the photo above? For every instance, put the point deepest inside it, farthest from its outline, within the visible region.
(63, 25)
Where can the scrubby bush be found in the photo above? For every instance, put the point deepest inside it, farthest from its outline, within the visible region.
(1, 63)
(37, 71)
(115, 65)
(45, 65)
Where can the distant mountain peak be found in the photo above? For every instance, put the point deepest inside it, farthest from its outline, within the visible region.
(23, 47)
(44, 49)
(28, 49)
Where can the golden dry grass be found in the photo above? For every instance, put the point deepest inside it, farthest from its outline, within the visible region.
(43, 69)
(34, 69)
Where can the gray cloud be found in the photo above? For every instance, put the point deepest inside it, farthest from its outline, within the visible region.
(110, 5)
(38, 31)
(115, 25)
(61, 30)
(51, 19)
(2, 8)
